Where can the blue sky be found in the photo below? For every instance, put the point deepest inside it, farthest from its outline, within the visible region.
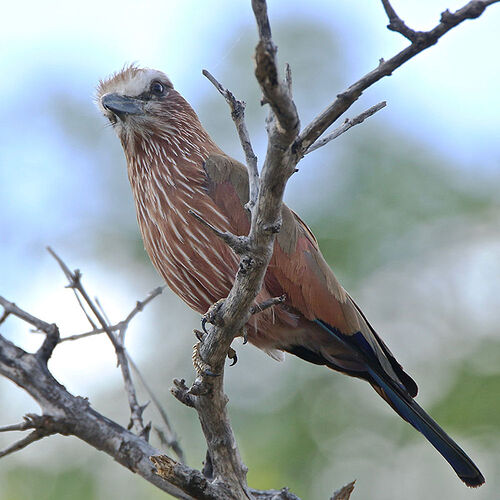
(446, 97)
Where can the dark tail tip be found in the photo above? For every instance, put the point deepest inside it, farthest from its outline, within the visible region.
(473, 482)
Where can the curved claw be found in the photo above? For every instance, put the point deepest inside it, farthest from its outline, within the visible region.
(231, 354)
(204, 321)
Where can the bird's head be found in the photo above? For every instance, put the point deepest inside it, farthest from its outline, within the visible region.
(153, 121)
(137, 100)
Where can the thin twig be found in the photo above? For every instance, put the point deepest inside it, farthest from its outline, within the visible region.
(101, 309)
(97, 331)
(170, 436)
(36, 435)
(11, 308)
(118, 326)
(74, 279)
(276, 93)
(139, 306)
(18, 427)
(239, 244)
(345, 99)
(349, 123)
(238, 116)
(397, 24)
(50, 329)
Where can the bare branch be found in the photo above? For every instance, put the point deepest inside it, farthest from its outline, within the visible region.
(397, 24)
(122, 325)
(11, 308)
(345, 99)
(51, 331)
(69, 415)
(238, 116)
(276, 93)
(171, 438)
(36, 435)
(141, 304)
(18, 427)
(239, 244)
(136, 410)
(348, 124)
(180, 475)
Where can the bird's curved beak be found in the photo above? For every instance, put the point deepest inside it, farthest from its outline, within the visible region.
(122, 105)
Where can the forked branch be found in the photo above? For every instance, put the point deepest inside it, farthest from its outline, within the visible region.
(424, 40)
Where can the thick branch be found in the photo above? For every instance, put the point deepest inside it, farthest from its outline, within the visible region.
(345, 99)
(276, 92)
(69, 415)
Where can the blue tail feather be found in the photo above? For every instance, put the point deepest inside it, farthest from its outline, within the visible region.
(403, 403)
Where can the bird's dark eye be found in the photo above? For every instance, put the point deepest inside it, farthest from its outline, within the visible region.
(157, 88)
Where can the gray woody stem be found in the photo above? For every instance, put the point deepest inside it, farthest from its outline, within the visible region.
(238, 116)
(345, 99)
(136, 410)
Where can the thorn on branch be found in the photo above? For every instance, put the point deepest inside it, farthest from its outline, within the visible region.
(52, 338)
(5, 315)
(288, 78)
(344, 493)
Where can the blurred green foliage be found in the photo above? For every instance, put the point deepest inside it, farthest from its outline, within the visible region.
(22, 483)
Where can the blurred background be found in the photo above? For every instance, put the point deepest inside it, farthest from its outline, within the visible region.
(405, 207)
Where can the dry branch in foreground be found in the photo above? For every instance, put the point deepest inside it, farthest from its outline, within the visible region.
(224, 474)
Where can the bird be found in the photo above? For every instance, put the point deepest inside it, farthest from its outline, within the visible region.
(174, 168)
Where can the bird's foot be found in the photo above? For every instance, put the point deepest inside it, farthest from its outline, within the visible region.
(197, 361)
(212, 315)
(201, 367)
